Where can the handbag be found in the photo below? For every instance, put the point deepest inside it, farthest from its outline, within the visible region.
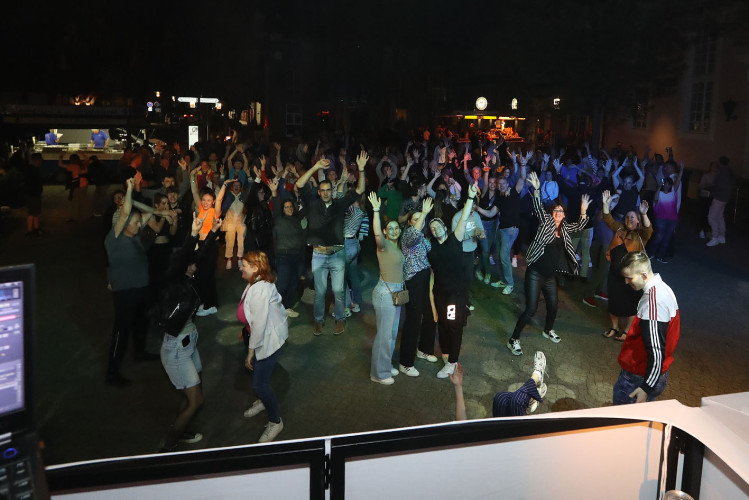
(400, 297)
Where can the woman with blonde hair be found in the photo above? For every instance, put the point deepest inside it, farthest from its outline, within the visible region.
(261, 309)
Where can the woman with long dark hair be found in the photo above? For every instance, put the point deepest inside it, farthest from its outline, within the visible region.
(261, 309)
(259, 222)
(551, 247)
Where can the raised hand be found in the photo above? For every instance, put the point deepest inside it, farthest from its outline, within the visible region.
(533, 180)
(130, 183)
(321, 163)
(584, 203)
(557, 165)
(644, 207)
(182, 164)
(427, 205)
(546, 159)
(606, 198)
(361, 160)
(217, 223)
(273, 185)
(374, 200)
(472, 191)
(197, 223)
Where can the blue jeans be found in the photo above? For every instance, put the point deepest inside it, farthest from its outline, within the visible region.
(289, 272)
(353, 275)
(582, 238)
(506, 237)
(388, 317)
(664, 228)
(628, 382)
(490, 227)
(335, 266)
(263, 369)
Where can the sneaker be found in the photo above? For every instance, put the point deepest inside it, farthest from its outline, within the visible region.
(602, 296)
(487, 279)
(552, 335)
(702, 235)
(499, 284)
(714, 242)
(491, 260)
(394, 372)
(539, 365)
(542, 389)
(531, 407)
(383, 381)
(346, 313)
(590, 301)
(228, 264)
(253, 410)
(471, 308)
(514, 346)
(206, 312)
(271, 431)
(355, 308)
(409, 370)
(292, 313)
(515, 261)
(317, 329)
(479, 276)
(446, 370)
(340, 326)
(190, 437)
(721, 239)
(507, 290)
(429, 357)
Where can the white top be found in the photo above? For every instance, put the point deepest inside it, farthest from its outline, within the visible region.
(269, 327)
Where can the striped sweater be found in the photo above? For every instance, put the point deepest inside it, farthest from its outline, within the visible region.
(546, 234)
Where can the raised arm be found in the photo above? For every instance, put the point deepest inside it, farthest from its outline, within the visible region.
(460, 229)
(426, 207)
(194, 187)
(304, 179)
(615, 178)
(521, 180)
(127, 207)
(361, 162)
(537, 207)
(376, 224)
(640, 177)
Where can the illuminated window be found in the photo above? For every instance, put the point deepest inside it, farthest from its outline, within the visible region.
(699, 109)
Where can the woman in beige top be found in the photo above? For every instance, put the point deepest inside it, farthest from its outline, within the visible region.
(391, 280)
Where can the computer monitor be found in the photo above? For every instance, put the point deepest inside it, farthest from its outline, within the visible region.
(16, 325)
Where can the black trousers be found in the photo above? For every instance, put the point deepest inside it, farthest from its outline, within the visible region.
(533, 282)
(289, 272)
(419, 326)
(205, 276)
(452, 311)
(130, 319)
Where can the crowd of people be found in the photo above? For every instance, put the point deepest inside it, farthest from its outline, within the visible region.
(444, 211)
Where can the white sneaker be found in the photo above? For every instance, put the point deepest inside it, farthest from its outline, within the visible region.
(228, 264)
(514, 261)
(253, 410)
(471, 307)
(292, 313)
(542, 390)
(721, 239)
(487, 279)
(713, 243)
(507, 290)
(499, 284)
(446, 370)
(355, 308)
(552, 335)
(479, 275)
(271, 431)
(514, 346)
(531, 407)
(206, 312)
(383, 381)
(409, 370)
(539, 365)
(429, 357)
(394, 372)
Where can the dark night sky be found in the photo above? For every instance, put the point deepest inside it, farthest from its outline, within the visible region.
(589, 49)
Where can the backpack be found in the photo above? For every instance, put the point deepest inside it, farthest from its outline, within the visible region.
(178, 304)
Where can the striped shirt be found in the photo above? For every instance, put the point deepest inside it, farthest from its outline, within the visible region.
(352, 221)
(546, 234)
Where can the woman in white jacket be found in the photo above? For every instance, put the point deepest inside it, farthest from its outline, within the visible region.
(262, 310)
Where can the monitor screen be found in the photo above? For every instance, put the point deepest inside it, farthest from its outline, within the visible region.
(12, 372)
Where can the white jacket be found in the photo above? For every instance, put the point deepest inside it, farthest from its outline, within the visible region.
(269, 327)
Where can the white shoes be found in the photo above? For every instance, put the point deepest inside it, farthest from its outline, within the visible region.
(721, 239)
(552, 335)
(292, 313)
(446, 370)
(271, 431)
(394, 372)
(479, 275)
(253, 410)
(409, 370)
(487, 279)
(507, 290)
(713, 243)
(206, 312)
(228, 264)
(383, 381)
(429, 357)
(539, 366)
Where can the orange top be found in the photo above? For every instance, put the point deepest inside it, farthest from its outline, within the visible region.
(207, 221)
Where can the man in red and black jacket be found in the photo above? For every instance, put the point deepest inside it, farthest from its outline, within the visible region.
(647, 352)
